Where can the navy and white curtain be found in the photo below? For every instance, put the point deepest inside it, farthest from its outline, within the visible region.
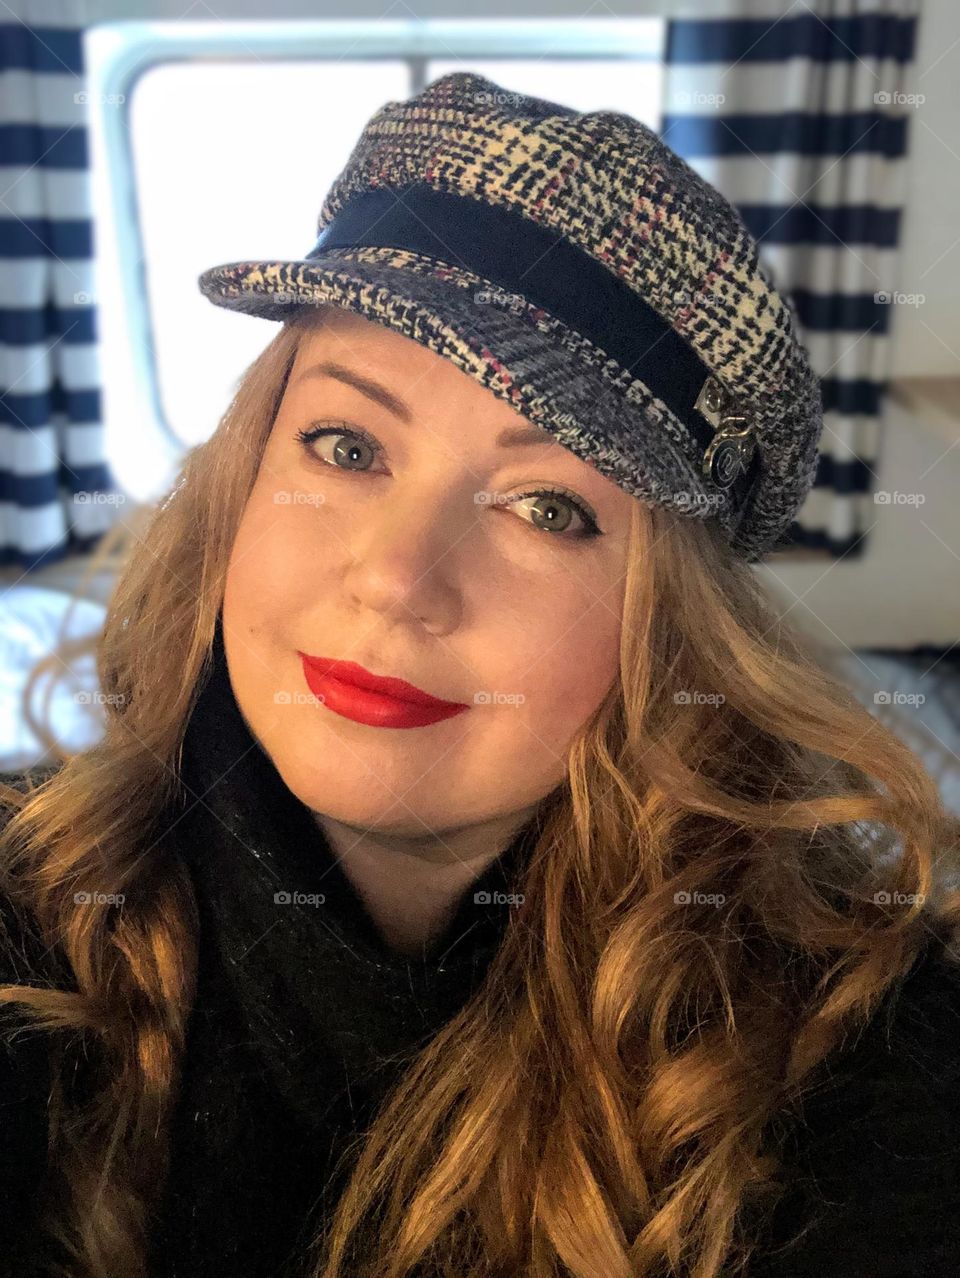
(798, 113)
(57, 496)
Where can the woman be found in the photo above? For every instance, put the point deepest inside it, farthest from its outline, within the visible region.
(476, 875)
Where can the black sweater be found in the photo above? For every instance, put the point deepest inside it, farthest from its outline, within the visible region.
(304, 1016)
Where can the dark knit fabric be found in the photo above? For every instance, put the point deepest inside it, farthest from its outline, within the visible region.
(304, 1016)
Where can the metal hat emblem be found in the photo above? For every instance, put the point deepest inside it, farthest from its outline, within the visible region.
(730, 451)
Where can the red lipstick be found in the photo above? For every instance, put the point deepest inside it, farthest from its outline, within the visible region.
(381, 702)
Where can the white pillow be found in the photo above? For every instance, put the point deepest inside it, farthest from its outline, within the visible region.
(31, 622)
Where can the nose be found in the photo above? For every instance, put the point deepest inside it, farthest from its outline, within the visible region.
(400, 558)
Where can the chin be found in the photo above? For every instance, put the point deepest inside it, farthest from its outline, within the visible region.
(333, 782)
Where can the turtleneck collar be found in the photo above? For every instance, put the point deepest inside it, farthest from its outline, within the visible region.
(319, 988)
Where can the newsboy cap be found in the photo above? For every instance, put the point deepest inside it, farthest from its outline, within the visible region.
(584, 273)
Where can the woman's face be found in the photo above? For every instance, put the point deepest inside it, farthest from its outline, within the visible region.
(404, 550)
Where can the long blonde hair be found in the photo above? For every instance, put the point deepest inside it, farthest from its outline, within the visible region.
(713, 903)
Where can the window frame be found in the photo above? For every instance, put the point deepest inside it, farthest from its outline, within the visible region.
(118, 54)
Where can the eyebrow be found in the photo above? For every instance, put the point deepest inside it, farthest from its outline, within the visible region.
(508, 438)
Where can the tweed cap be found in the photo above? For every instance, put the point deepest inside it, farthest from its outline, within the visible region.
(584, 273)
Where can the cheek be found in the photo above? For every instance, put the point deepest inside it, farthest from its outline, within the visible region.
(563, 655)
(274, 561)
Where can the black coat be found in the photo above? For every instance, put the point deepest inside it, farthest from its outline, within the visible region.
(303, 1017)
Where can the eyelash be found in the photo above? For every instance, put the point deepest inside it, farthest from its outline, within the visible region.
(306, 437)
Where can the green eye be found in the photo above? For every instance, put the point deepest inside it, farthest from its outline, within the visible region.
(346, 456)
(554, 510)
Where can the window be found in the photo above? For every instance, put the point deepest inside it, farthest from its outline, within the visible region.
(216, 142)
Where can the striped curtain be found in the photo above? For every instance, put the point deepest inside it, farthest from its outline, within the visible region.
(798, 113)
(57, 495)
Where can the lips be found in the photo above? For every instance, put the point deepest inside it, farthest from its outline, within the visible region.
(377, 700)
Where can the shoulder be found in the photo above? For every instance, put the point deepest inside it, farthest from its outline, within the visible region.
(871, 1164)
(912, 1043)
(25, 1077)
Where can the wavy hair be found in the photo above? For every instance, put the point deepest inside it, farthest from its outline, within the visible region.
(712, 905)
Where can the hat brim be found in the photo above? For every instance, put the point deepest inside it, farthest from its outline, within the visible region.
(548, 373)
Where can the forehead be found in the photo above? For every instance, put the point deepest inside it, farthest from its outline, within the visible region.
(377, 350)
(348, 354)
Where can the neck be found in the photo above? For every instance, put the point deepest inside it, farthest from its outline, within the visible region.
(412, 885)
